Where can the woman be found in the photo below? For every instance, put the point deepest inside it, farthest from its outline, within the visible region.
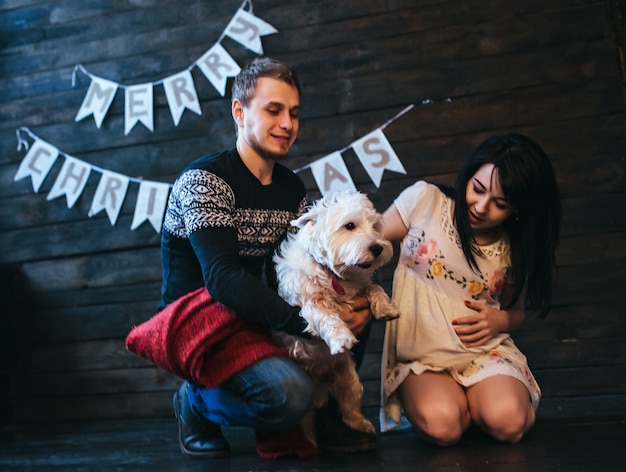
(470, 257)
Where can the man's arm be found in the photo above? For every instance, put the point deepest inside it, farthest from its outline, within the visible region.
(230, 284)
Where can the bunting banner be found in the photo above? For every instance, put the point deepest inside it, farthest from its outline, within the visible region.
(72, 179)
(216, 64)
(330, 172)
(374, 152)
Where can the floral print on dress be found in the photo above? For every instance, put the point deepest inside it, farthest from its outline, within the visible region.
(497, 357)
(495, 283)
(425, 250)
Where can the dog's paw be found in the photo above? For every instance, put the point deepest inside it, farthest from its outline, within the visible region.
(381, 305)
(383, 309)
(342, 342)
(388, 313)
(361, 424)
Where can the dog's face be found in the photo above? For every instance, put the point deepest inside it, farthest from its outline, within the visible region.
(343, 232)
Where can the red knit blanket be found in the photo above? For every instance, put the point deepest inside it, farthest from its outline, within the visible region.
(201, 340)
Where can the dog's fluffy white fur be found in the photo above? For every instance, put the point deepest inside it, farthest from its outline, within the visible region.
(329, 262)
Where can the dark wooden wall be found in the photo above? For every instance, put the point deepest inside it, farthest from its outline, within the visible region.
(73, 286)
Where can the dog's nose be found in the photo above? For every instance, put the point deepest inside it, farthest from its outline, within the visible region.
(377, 249)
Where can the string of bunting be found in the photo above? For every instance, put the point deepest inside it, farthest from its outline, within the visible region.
(330, 172)
(216, 64)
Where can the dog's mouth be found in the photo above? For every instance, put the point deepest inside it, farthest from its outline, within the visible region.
(364, 265)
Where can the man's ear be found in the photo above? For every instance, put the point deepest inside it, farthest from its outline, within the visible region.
(237, 110)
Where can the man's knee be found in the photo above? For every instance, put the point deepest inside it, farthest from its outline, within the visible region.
(284, 402)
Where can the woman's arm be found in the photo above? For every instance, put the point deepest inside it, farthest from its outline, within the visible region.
(394, 228)
(488, 322)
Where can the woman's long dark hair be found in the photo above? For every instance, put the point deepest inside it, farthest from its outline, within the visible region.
(528, 183)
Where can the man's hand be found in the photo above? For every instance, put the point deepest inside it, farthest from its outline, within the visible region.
(356, 314)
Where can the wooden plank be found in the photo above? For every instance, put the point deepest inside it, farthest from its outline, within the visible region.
(593, 380)
(75, 238)
(89, 322)
(76, 408)
(88, 355)
(591, 248)
(141, 264)
(62, 384)
(98, 295)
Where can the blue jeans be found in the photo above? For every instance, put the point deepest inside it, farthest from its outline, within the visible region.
(273, 394)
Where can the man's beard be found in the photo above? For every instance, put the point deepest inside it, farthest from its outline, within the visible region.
(265, 153)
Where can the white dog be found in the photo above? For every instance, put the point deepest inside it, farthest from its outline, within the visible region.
(329, 262)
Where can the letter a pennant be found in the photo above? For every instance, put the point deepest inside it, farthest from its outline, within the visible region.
(331, 174)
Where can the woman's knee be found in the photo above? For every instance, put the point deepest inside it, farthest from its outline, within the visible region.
(441, 424)
(436, 407)
(507, 421)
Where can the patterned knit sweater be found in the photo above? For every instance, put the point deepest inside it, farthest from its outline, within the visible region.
(220, 231)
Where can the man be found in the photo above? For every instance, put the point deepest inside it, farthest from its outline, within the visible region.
(226, 214)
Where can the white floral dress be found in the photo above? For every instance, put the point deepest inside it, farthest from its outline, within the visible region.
(431, 283)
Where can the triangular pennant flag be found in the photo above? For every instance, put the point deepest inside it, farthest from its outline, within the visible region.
(98, 100)
(217, 65)
(247, 29)
(181, 93)
(331, 174)
(109, 195)
(151, 202)
(138, 106)
(37, 163)
(70, 181)
(376, 155)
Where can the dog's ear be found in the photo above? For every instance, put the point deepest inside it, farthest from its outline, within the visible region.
(304, 219)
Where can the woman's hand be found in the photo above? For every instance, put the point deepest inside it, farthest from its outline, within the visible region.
(484, 325)
(356, 314)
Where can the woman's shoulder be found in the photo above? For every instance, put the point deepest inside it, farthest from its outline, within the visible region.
(421, 194)
(418, 201)
(423, 188)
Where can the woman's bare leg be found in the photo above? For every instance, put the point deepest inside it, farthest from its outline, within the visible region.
(436, 406)
(501, 406)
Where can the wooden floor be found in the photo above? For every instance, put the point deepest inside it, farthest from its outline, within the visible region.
(150, 444)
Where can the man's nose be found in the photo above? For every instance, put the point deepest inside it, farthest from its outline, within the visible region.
(286, 122)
